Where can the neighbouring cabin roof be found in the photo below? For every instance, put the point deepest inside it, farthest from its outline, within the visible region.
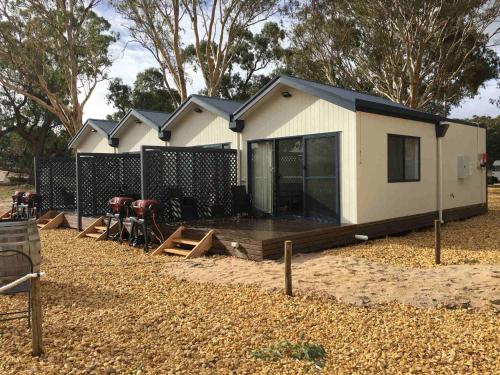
(346, 98)
(103, 127)
(151, 118)
(220, 107)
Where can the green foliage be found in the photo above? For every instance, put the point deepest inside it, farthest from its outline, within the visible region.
(492, 136)
(55, 53)
(426, 54)
(302, 350)
(254, 54)
(149, 92)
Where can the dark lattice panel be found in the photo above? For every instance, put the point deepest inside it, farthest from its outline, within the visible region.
(56, 182)
(103, 176)
(203, 174)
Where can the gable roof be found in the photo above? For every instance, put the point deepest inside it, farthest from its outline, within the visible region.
(221, 107)
(103, 127)
(349, 99)
(151, 118)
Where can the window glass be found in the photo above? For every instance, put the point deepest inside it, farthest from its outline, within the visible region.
(396, 164)
(411, 158)
(403, 158)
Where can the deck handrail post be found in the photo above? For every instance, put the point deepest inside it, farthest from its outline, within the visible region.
(288, 268)
(36, 318)
(437, 241)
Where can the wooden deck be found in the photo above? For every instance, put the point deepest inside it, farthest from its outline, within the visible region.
(259, 239)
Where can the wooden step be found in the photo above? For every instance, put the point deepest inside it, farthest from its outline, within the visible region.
(101, 228)
(41, 225)
(93, 235)
(185, 241)
(176, 251)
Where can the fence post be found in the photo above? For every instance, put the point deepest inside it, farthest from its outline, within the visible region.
(35, 174)
(36, 318)
(78, 192)
(288, 268)
(143, 172)
(437, 241)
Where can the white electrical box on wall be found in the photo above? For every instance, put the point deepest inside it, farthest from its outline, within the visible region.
(464, 166)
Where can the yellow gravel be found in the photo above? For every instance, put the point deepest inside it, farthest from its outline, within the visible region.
(472, 241)
(111, 309)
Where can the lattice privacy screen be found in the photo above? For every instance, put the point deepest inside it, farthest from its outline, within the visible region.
(55, 180)
(202, 175)
(103, 176)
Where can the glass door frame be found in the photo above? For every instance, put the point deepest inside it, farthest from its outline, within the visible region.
(275, 198)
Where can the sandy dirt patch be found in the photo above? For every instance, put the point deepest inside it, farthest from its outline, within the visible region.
(356, 280)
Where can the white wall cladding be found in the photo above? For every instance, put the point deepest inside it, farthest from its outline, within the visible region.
(377, 198)
(198, 129)
(303, 114)
(469, 142)
(94, 142)
(134, 135)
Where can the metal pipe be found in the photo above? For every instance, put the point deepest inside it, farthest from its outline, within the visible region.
(20, 281)
(361, 237)
(440, 178)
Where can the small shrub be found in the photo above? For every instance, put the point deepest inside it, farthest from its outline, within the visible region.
(302, 350)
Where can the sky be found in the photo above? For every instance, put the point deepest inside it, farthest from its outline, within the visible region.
(129, 59)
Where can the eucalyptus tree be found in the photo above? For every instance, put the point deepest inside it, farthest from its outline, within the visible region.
(59, 48)
(427, 54)
(215, 28)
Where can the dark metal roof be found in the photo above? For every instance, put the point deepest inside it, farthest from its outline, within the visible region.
(218, 106)
(349, 99)
(103, 127)
(152, 118)
(223, 105)
(157, 117)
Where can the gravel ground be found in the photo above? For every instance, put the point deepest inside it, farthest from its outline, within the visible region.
(110, 309)
(472, 241)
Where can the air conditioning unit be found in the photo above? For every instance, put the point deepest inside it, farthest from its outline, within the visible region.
(464, 166)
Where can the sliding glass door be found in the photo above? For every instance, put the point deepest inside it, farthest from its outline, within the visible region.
(261, 166)
(296, 176)
(289, 176)
(321, 171)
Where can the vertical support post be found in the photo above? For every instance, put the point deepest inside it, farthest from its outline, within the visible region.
(35, 174)
(143, 172)
(288, 268)
(437, 241)
(36, 318)
(440, 177)
(78, 192)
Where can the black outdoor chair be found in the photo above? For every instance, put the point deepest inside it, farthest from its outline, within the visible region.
(14, 265)
(242, 202)
(181, 208)
(68, 197)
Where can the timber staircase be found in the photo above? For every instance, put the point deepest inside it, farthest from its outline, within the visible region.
(6, 215)
(178, 244)
(50, 220)
(97, 230)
